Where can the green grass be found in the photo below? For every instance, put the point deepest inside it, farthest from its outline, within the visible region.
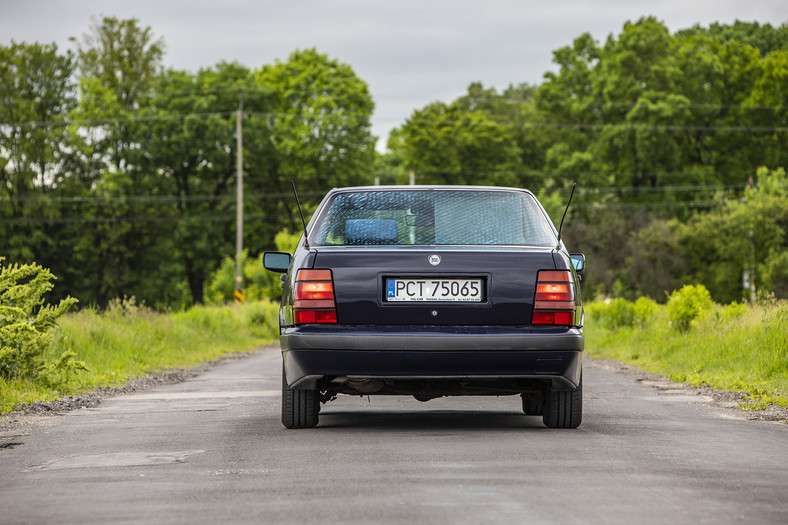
(733, 348)
(129, 341)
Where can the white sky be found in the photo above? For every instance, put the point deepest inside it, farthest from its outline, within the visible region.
(410, 52)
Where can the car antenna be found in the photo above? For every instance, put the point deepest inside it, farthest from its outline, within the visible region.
(564, 216)
(301, 212)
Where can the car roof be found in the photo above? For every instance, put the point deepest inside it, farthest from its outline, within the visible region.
(429, 187)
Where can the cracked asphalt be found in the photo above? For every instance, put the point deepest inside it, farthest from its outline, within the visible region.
(212, 449)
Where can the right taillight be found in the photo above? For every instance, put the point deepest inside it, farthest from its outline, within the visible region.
(313, 298)
(555, 302)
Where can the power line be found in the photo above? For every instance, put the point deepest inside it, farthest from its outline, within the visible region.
(530, 124)
(174, 199)
(147, 199)
(611, 126)
(663, 204)
(169, 95)
(230, 217)
(134, 219)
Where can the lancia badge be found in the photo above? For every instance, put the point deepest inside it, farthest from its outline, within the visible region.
(434, 260)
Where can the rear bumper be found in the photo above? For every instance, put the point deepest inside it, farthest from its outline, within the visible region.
(441, 352)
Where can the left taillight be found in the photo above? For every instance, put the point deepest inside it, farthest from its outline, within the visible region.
(313, 298)
(555, 302)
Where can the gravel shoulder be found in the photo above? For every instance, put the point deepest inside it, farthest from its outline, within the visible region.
(718, 398)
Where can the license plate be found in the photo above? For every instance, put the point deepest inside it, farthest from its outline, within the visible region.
(454, 290)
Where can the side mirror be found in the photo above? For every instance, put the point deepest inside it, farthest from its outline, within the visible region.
(277, 261)
(578, 261)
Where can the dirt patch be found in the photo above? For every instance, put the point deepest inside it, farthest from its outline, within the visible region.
(732, 401)
(20, 421)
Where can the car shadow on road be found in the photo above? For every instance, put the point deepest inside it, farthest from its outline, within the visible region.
(430, 420)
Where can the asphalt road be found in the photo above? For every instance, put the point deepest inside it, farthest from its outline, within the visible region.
(212, 450)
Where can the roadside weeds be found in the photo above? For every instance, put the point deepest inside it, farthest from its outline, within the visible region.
(732, 401)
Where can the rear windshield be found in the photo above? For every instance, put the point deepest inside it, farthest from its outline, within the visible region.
(432, 217)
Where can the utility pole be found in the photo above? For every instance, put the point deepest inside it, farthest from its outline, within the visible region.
(239, 216)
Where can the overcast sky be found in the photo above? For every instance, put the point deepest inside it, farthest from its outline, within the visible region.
(410, 52)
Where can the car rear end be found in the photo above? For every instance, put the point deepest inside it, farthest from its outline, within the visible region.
(430, 292)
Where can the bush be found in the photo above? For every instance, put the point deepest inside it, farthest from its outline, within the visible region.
(644, 310)
(258, 283)
(688, 304)
(619, 313)
(25, 323)
(613, 313)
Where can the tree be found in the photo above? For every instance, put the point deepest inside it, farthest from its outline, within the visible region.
(765, 38)
(186, 138)
(390, 167)
(650, 111)
(462, 142)
(316, 132)
(319, 121)
(36, 94)
(119, 61)
(768, 104)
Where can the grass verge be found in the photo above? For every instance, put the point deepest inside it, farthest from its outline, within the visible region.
(129, 341)
(737, 348)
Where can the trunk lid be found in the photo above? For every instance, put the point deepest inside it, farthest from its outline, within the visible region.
(507, 277)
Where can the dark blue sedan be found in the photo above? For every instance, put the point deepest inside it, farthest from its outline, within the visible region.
(431, 291)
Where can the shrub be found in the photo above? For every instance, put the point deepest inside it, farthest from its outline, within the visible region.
(619, 313)
(613, 313)
(644, 310)
(732, 311)
(688, 304)
(25, 323)
(258, 283)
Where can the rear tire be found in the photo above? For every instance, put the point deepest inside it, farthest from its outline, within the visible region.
(564, 409)
(300, 408)
(533, 404)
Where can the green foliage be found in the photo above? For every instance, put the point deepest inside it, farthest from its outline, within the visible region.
(461, 143)
(617, 313)
(25, 322)
(258, 283)
(714, 248)
(320, 122)
(130, 340)
(764, 37)
(119, 61)
(119, 175)
(390, 167)
(645, 309)
(736, 347)
(192, 156)
(286, 241)
(686, 305)
(655, 106)
(748, 234)
(123, 56)
(613, 313)
(661, 131)
(554, 204)
(55, 374)
(36, 93)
